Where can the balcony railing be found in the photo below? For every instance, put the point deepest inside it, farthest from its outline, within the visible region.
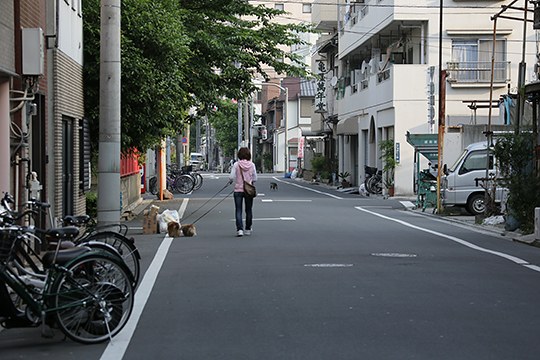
(478, 71)
(383, 75)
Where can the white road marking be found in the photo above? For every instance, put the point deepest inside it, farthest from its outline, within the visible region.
(328, 265)
(117, 347)
(512, 258)
(397, 255)
(289, 200)
(283, 218)
(183, 207)
(306, 188)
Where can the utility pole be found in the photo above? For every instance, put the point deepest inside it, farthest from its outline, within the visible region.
(246, 123)
(108, 204)
(442, 100)
(239, 137)
(286, 126)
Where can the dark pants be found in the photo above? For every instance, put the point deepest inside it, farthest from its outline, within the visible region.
(238, 199)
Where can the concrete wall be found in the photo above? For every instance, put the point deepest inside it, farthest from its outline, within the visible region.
(130, 190)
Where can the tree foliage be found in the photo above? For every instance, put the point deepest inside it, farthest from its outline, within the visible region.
(515, 154)
(224, 119)
(179, 54)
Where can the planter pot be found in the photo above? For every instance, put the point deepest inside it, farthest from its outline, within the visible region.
(391, 191)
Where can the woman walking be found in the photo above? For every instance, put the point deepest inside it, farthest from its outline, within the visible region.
(243, 169)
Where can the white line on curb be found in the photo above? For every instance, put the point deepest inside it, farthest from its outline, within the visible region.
(458, 240)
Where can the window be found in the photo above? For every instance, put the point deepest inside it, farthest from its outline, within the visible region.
(306, 8)
(476, 161)
(279, 6)
(84, 155)
(471, 61)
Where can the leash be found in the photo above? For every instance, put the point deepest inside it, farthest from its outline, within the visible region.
(207, 201)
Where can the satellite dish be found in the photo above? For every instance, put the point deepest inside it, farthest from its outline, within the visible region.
(334, 81)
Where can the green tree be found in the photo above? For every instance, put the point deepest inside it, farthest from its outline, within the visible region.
(224, 120)
(515, 155)
(177, 54)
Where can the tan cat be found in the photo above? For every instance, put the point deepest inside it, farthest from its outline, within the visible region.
(189, 230)
(173, 229)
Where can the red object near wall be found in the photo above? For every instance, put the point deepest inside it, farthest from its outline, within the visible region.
(143, 178)
(129, 164)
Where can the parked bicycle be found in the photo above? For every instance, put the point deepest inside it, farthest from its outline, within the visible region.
(373, 181)
(86, 293)
(92, 236)
(182, 181)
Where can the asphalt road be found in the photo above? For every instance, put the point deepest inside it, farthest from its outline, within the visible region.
(324, 275)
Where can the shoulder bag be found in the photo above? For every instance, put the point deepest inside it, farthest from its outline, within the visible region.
(249, 189)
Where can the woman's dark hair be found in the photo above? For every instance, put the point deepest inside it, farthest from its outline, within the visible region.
(244, 154)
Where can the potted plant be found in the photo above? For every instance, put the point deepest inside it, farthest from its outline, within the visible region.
(343, 177)
(389, 164)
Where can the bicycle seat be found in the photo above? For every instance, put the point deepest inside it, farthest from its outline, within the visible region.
(63, 233)
(63, 256)
(76, 220)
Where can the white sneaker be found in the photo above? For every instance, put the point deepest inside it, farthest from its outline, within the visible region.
(240, 233)
(247, 232)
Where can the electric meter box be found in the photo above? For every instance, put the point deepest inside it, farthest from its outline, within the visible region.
(33, 55)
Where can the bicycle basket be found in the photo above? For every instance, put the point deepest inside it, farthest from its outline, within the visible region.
(187, 168)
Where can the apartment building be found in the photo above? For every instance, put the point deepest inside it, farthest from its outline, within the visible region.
(381, 74)
(41, 104)
(69, 155)
(270, 102)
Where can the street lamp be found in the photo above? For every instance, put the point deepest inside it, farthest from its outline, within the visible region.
(285, 125)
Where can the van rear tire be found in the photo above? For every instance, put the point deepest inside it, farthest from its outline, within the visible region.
(476, 204)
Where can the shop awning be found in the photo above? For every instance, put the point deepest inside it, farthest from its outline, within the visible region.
(348, 126)
(425, 144)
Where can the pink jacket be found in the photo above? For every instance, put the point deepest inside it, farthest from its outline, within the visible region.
(248, 170)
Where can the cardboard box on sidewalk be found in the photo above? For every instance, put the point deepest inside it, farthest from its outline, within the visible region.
(150, 224)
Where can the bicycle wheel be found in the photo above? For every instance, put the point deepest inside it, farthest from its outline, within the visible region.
(185, 184)
(93, 300)
(373, 185)
(198, 180)
(124, 246)
(152, 185)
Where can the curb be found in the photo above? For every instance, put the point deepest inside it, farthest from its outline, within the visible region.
(511, 235)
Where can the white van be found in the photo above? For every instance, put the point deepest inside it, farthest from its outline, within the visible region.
(197, 161)
(461, 185)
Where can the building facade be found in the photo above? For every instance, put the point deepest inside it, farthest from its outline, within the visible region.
(381, 60)
(270, 105)
(41, 106)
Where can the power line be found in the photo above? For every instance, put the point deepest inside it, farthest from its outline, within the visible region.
(379, 5)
